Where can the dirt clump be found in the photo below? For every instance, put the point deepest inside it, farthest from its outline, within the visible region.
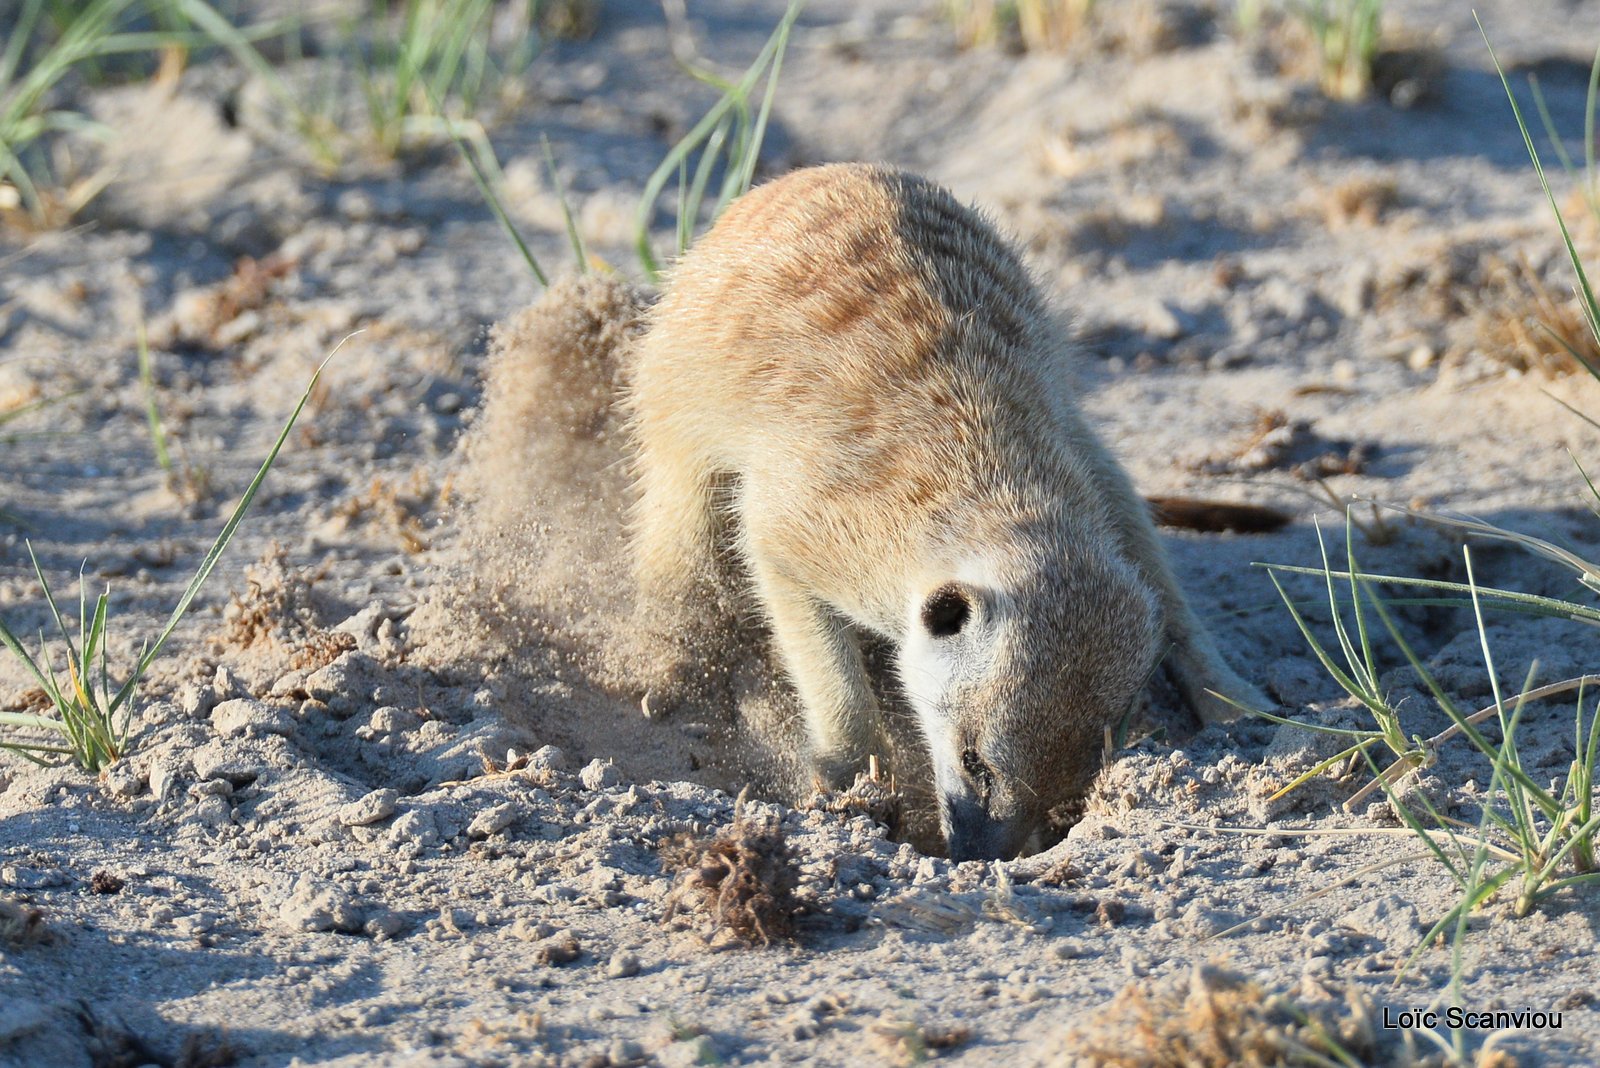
(277, 613)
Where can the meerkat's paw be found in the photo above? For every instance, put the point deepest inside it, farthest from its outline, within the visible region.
(840, 767)
(836, 771)
(671, 683)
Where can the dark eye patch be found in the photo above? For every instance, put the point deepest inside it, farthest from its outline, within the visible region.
(946, 611)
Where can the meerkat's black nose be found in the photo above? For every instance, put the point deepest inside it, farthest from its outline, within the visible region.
(971, 833)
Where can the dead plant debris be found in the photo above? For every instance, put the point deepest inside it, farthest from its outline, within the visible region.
(277, 609)
(399, 506)
(114, 1045)
(103, 882)
(1213, 1018)
(560, 948)
(1278, 443)
(212, 317)
(1525, 323)
(21, 925)
(882, 802)
(1359, 202)
(33, 700)
(742, 883)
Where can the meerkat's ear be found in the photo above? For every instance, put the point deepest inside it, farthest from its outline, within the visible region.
(947, 610)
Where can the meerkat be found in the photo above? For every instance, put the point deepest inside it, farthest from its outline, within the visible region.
(868, 366)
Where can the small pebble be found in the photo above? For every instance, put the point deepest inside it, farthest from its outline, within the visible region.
(492, 820)
(625, 1052)
(375, 806)
(599, 775)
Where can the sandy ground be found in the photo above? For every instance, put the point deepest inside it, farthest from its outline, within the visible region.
(392, 800)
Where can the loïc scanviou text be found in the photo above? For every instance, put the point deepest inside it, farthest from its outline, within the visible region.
(1456, 1018)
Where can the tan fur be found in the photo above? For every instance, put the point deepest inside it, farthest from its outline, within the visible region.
(873, 368)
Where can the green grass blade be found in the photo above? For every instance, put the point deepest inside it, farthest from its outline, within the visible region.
(50, 599)
(1442, 699)
(1368, 660)
(30, 720)
(10, 641)
(221, 544)
(1587, 418)
(733, 99)
(1591, 189)
(1468, 902)
(1345, 681)
(152, 415)
(689, 209)
(492, 198)
(1588, 756)
(1547, 606)
(753, 149)
(1591, 306)
(1409, 818)
(1318, 728)
(26, 751)
(1346, 648)
(238, 44)
(21, 34)
(1551, 133)
(94, 634)
(576, 238)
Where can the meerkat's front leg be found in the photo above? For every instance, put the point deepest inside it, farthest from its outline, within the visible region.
(672, 534)
(824, 662)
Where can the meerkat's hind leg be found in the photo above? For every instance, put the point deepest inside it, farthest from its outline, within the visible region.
(823, 659)
(1210, 684)
(672, 536)
(1198, 666)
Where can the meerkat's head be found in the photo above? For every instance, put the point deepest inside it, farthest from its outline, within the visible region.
(1015, 664)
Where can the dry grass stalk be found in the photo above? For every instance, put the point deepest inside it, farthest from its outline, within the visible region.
(1034, 25)
(1529, 326)
(1213, 1018)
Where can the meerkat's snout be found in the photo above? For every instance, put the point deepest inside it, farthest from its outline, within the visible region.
(980, 820)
